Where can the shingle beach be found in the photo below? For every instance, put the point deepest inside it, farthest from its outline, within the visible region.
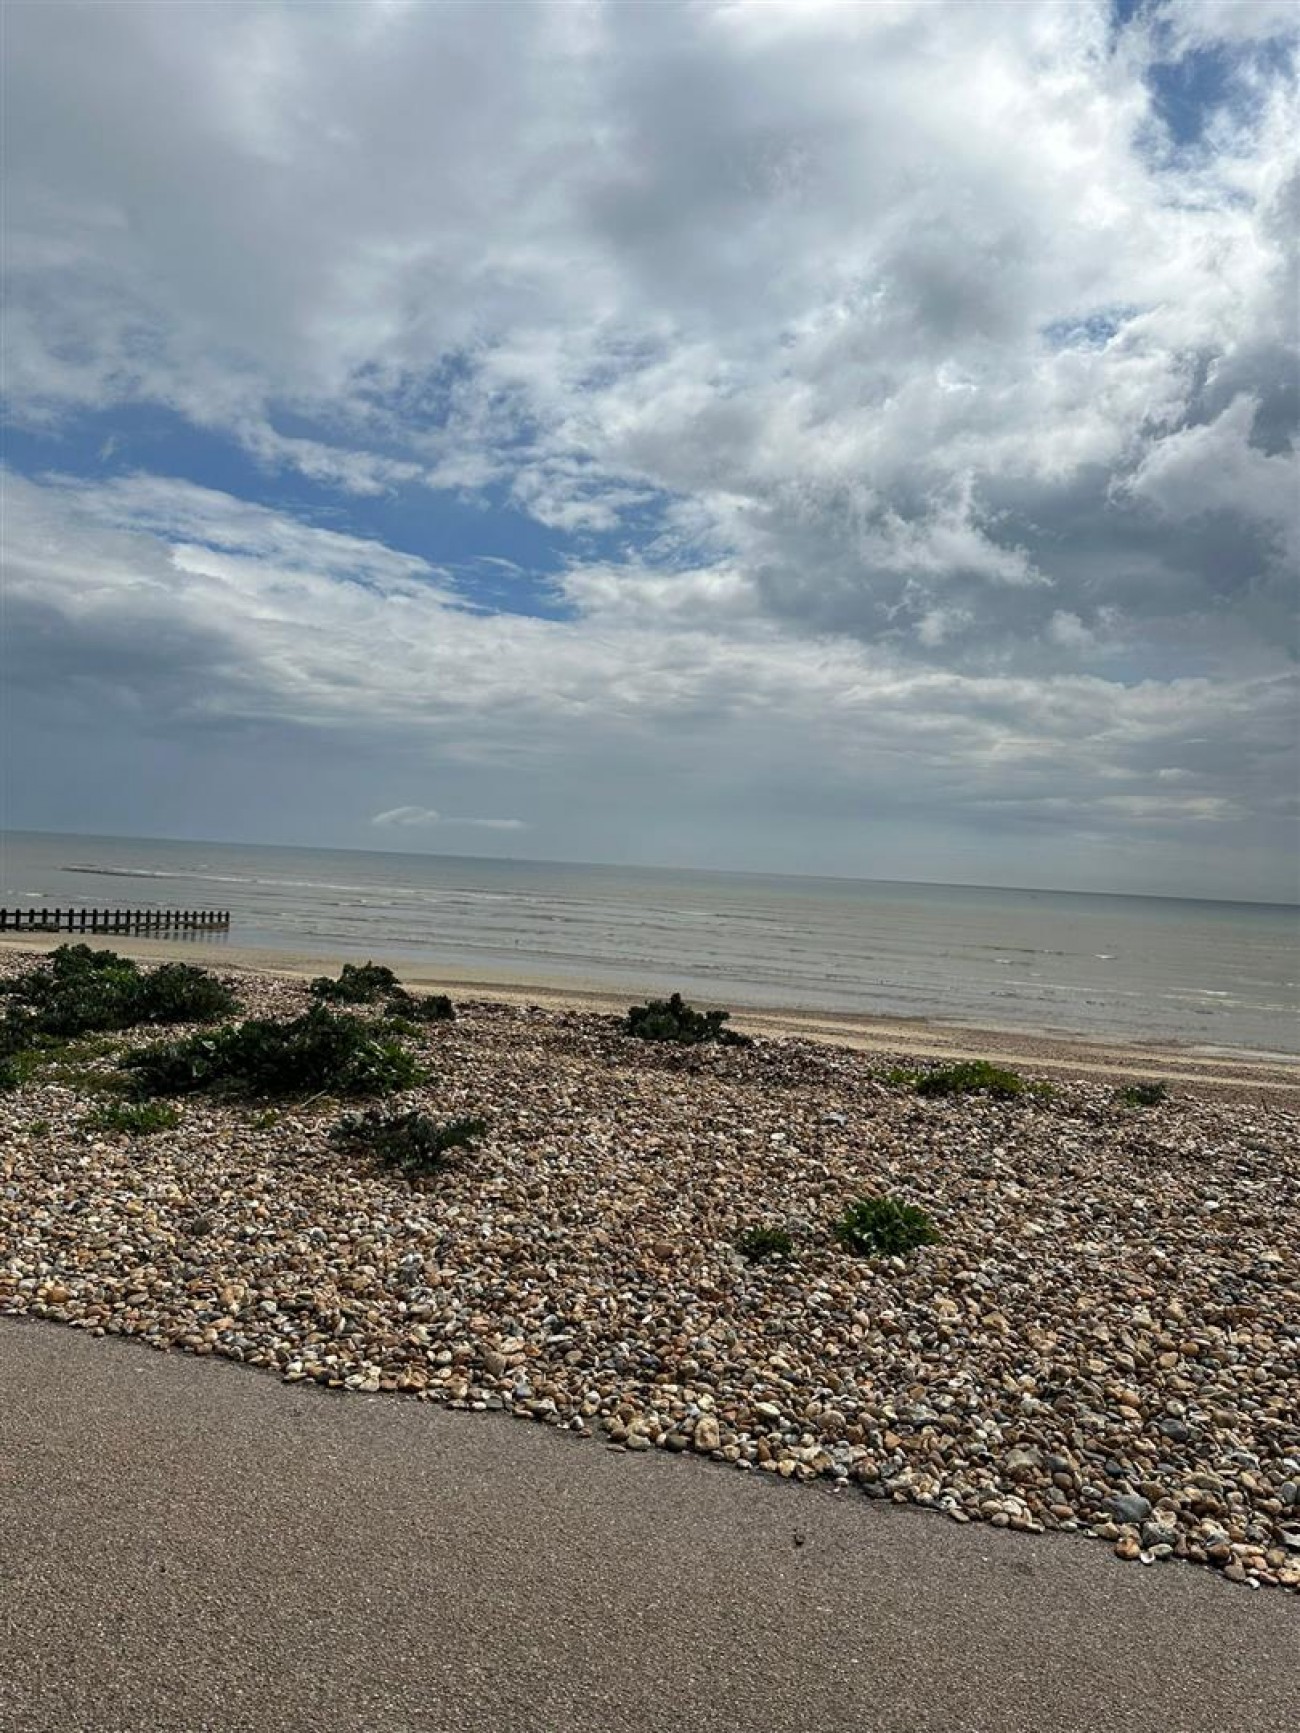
(1106, 1338)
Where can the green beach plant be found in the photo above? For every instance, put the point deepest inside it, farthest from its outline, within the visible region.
(77, 991)
(900, 1077)
(884, 1227)
(136, 1118)
(672, 1019)
(760, 1243)
(972, 1077)
(414, 1143)
(323, 1052)
(357, 984)
(1145, 1094)
(422, 1007)
(181, 993)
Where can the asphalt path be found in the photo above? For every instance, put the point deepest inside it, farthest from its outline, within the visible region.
(186, 1546)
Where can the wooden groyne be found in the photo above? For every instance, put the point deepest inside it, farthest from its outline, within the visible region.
(114, 920)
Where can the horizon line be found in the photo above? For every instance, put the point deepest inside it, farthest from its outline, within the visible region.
(648, 866)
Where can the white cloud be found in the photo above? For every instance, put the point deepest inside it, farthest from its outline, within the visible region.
(621, 705)
(406, 816)
(936, 414)
(425, 818)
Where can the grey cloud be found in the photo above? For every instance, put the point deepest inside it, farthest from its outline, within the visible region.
(922, 380)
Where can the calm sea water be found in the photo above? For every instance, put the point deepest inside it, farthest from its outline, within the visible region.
(1216, 974)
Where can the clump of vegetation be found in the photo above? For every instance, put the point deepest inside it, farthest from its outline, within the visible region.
(673, 1020)
(180, 993)
(413, 1143)
(900, 1077)
(884, 1227)
(136, 1118)
(358, 984)
(370, 983)
(422, 1007)
(758, 1244)
(1145, 1095)
(972, 1077)
(323, 1052)
(76, 991)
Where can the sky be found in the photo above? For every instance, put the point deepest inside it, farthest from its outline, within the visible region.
(852, 439)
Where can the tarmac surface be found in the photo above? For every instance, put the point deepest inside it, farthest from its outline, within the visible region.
(186, 1546)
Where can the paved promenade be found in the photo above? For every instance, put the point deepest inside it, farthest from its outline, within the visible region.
(185, 1547)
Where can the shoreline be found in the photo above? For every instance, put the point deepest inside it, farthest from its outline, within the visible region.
(1057, 1051)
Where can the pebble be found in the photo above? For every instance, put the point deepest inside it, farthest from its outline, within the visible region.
(1128, 1507)
(1090, 1347)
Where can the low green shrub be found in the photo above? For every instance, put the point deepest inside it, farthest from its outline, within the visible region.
(673, 1020)
(20, 1064)
(76, 991)
(757, 1244)
(72, 991)
(884, 1227)
(1145, 1094)
(322, 1052)
(136, 1118)
(413, 1142)
(180, 993)
(422, 1007)
(972, 1077)
(900, 1077)
(358, 984)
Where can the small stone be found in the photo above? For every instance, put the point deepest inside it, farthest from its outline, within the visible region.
(1023, 1464)
(1159, 1533)
(1128, 1507)
(707, 1436)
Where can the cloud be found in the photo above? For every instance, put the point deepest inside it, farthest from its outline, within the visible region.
(407, 816)
(424, 818)
(617, 707)
(921, 458)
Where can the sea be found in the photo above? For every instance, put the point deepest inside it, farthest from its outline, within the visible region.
(1216, 975)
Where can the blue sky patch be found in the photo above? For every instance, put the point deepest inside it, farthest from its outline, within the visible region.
(502, 560)
(1088, 330)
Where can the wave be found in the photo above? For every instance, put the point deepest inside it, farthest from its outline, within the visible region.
(247, 879)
